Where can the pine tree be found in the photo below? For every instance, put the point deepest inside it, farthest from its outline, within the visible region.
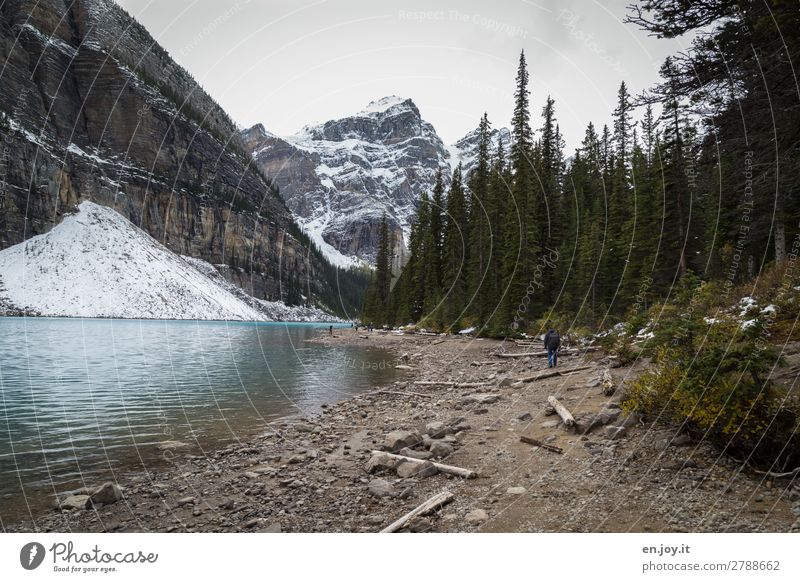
(432, 257)
(376, 306)
(521, 245)
(481, 213)
(454, 256)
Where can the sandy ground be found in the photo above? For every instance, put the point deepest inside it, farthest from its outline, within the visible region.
(308, 475)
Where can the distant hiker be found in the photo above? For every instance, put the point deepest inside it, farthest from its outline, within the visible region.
(552, 341)
(330, 329)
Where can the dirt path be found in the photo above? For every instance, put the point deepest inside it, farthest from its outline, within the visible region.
(308, 474)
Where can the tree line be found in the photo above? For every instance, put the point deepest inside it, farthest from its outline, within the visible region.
(705, 183)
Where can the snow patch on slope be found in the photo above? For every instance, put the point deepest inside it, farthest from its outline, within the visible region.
(98, 264)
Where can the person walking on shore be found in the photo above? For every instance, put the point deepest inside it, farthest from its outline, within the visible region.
(552, 341)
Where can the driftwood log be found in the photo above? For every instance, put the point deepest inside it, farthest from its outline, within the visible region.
(562, 411)
(457, 471)
(433, 503)
(543, 354)
(553, 373)
(541, 445)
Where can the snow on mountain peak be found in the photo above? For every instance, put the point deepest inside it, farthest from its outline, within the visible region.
(384, 104)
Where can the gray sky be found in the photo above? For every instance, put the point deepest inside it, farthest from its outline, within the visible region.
(288, 63)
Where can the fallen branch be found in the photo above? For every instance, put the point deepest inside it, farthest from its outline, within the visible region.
(433, 503)
(562, 411)
(569, 352)
(489, 363)
(540, 444)
(457, 471)
(543, 375)
(775, 475)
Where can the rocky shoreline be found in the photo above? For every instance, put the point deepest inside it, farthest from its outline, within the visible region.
(463, 407)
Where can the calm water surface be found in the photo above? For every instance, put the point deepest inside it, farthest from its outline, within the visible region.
(82, 400)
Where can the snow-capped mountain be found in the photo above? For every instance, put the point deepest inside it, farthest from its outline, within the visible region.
(338, 178)
(465, 150)
(96, 263)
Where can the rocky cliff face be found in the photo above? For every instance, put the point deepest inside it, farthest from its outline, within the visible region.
(465, 150)
(340, 177)
(94, 109)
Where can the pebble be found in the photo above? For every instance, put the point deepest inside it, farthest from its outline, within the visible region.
(476, 517)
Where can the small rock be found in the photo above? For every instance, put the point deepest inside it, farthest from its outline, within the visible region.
(75, 502)
(184, 501)
(550, 423)
(680, 440)
(481, 398)
(409, 469)
(106, 494)
(419, 525)
(436, 429)
(380, 462)
(525, 417)
(401, 439)
(271, 528)
(516, 490)
(375, 519)
(615, 432)
(381, 488)
(476, 517)
(440, 449)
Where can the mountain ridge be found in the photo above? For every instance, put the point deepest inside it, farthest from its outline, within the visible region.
(340, 176)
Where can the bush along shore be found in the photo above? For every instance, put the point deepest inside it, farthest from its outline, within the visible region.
(479, 436)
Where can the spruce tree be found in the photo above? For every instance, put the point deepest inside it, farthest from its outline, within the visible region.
(432, 257)
(454, 256)
(481, 213)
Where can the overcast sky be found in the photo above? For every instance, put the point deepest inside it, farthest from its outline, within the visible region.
(287, 63)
